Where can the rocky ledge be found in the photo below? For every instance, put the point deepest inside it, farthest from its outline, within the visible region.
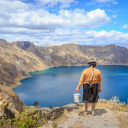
(107, 114)
(10, 103)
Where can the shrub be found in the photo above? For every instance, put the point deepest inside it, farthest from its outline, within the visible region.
(36, 104)
(23, 120)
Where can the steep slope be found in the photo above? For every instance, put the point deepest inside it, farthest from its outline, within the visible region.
(79, 54)
(15, 63)
(40, 52)
(10, 103)
(19, 58)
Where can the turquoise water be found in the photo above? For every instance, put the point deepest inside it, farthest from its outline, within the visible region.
(56, 86)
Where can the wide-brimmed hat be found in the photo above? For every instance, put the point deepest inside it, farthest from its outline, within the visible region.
(91, 61)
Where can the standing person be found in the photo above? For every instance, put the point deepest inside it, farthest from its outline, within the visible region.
(91, 77)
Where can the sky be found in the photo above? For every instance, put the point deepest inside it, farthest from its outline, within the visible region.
(57, 22)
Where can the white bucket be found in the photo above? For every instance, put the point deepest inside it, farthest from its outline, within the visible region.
(77, 97)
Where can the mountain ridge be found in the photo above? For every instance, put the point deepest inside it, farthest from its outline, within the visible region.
(17, 59)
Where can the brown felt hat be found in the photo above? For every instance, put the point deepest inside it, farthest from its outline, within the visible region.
(91, 61)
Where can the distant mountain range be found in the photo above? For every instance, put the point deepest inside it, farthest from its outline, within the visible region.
(17, 59)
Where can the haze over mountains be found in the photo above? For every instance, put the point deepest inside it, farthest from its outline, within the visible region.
(17, 59)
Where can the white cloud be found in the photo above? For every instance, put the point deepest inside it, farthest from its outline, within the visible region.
(125, 26)
(13, 6)
(52, 3)
(21, 22)
(78, 18)
(102, 37)
(22, 4)
(103, 1)
(17, 17)
(78, 36)
(41, 19)
(114, 16)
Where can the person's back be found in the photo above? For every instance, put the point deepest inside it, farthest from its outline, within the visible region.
(91, 80)
(86, 76)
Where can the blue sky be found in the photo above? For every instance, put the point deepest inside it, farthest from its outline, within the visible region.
(57, 22)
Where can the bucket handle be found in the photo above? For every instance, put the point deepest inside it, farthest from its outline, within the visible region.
(76, 92)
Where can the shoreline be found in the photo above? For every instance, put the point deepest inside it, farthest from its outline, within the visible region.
(19, 83)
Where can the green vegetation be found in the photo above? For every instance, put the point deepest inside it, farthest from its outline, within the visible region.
(24, 120)
(36, 104)
(34, 119)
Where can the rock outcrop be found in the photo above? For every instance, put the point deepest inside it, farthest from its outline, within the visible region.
(10, 103)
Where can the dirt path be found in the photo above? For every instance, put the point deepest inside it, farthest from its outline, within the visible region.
(104, 118)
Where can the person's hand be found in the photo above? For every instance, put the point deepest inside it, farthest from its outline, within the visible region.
(77, 90)
(100, 90)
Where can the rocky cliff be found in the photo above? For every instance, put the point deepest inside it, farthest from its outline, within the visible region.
(16, 62)
(74, 54)
(10, 103)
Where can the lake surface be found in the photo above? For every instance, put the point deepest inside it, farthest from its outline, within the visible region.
(56, 86)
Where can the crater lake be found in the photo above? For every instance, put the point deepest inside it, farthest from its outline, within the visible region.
(56, 86)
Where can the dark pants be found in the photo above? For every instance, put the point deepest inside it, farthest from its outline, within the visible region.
(90, 94)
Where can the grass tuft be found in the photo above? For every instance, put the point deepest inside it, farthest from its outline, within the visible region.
(114, 104)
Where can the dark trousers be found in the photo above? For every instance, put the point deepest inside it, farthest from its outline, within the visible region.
(90, 94)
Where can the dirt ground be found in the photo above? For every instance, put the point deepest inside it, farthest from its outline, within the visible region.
(104, 118)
